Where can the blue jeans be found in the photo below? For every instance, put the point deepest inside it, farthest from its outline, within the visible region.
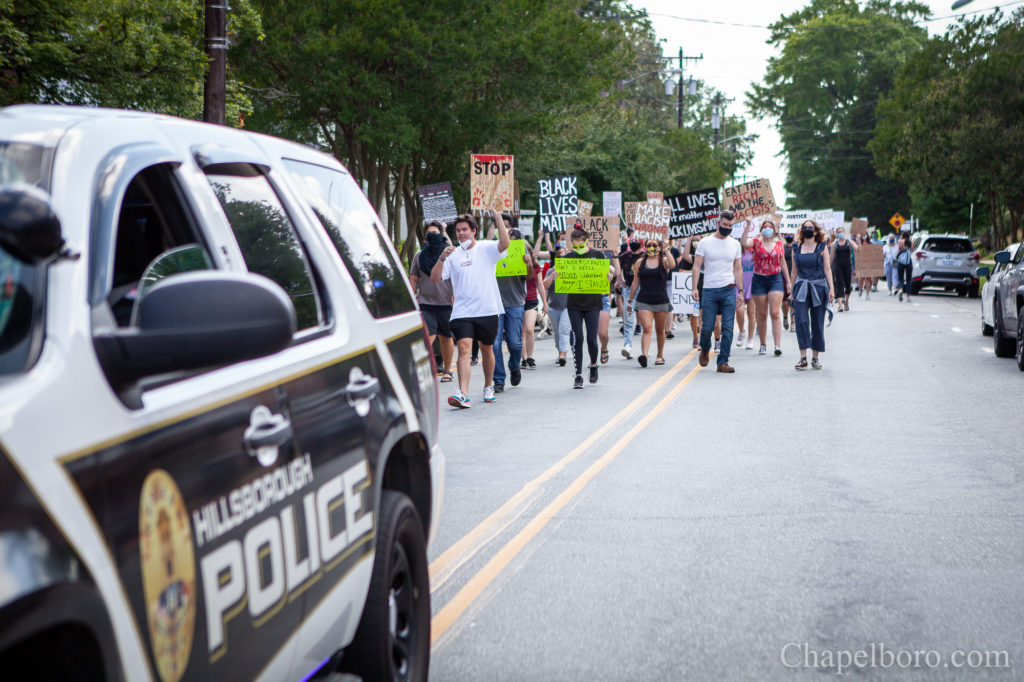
(629, 317)
(510, 329)
(810, 324)
(560, 328)
(714, 302)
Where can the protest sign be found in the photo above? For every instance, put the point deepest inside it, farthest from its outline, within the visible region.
(438, 203)
(869, 261)
(512, 264)
(629, 214)
(859, 226)
(582, 276)
(584, 207)
(655, 197)
(693, 212)
(526, 219)
(739, 229)
(750, 199)
(558, 200)
(602, 232)
(491, 182)
(611, 202)
(791, 220)
(651, 221)
(682, 293)
(838, 220)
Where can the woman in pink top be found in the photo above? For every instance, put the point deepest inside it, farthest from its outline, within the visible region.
(770, 281)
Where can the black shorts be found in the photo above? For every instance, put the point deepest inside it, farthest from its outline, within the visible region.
(436, 319)
(481, 329)
(531, 305)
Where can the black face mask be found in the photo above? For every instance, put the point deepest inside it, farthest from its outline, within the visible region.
(725, 231)
(807, 232)
(435, 239)
(635, 246)
(789, 239)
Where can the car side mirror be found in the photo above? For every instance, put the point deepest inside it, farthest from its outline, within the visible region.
(983, 271)
(197, 320)
(29, 227)
(1002, 256)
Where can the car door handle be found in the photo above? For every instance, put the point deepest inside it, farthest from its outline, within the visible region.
(276, 432)
(362, 387)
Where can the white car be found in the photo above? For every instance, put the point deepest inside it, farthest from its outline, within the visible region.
(988, 292)
(218, 412)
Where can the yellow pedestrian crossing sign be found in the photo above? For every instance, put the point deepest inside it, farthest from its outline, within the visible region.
(897, 221)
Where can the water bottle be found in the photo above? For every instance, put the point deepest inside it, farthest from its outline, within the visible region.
(696, 305)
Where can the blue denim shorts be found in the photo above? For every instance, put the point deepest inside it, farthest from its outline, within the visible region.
(761, 285)
(606, 303)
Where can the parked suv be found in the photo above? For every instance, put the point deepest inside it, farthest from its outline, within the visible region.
(218, 412)
(1008, 306)
(947, 261)
(988, 291)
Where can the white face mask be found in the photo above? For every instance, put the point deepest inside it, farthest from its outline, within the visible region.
(466, 244)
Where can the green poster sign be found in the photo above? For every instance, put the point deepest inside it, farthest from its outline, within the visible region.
(513, 264)
(582, 276)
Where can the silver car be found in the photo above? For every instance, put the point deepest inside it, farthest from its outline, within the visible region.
(947, 261)
(988, 292)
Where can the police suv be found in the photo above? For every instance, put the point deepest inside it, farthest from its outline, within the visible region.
(218, 412)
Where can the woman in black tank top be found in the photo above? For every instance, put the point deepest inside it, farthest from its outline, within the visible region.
(651, 276)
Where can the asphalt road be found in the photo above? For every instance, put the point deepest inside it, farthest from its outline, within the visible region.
(674, 523)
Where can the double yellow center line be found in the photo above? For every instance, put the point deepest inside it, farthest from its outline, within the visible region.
(445, 565)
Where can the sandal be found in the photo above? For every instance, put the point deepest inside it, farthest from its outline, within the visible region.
(660, 361)
(445, 376)
(604, 356)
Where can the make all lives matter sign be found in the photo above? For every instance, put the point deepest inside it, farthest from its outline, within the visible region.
(558, 200)
(693, 213)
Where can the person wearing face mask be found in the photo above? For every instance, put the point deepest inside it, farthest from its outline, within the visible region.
(813, 290)
(842, 252)
(769, 283)
(559, 319)
(787, 310)
(584, 310)
(723, 283)
(510, 322)
(627, 259)
(435, 299)
(686, 265)
(477, 302)
(889, 252)
(650, 277)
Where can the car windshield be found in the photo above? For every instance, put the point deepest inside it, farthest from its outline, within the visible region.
(948, 245)
(29, 163)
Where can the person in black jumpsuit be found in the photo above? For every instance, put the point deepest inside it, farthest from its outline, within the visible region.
(842, 259)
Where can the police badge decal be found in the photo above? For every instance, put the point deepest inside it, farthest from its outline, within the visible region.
(168, 573)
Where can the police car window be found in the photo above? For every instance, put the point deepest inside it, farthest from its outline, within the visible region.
(267, 236)
(354, 231)
(152, 221)
(1019, 256)
(21, 286)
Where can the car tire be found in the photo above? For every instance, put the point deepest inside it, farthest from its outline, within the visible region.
(973, 291)
(986, 329)
(1003, 347)
(1020, 340)
(392, 641)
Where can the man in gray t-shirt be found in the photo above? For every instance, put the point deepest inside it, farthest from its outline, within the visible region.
(435, 298)
(510, 324)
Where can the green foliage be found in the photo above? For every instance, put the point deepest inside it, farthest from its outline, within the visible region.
(836, 58)
(131, 54)
(954, 123)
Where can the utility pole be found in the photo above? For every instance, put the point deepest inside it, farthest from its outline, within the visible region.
(718, 115)
(215, 90)
(682, 58)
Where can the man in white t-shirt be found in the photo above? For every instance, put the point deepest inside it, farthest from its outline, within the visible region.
(719, 255)
(471, 269)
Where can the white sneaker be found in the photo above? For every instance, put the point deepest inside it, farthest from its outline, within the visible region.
(718, 345)
(763, 350)
(740, 339)
(750, 344)
(489, 394)
(625, 352)
(867, 296)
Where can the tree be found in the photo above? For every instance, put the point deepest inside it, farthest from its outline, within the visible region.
(953, 124)
(836, 59)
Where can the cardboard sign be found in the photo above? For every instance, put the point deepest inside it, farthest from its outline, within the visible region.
(792, 220)
(682, 293)
(693, 213)
(750, 199)
(602, 231)
(558, 199)
(859, 226)
(582, 276)
(512, 265)
(492, 182)
(611, 202)
(585, 207)
(869, 261)
(655, 197)
(629, 213)
(438, 202)
(651, 221)
(740, 228)
(526, 219)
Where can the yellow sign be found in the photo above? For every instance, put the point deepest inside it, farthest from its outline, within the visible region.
(897, 221)
(513, 264)
(168, 573)
(582, 276)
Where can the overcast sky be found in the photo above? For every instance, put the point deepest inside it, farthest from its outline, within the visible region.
(735, 56)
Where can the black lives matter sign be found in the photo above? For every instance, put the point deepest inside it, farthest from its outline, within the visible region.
(693, 213)
(558, 200)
